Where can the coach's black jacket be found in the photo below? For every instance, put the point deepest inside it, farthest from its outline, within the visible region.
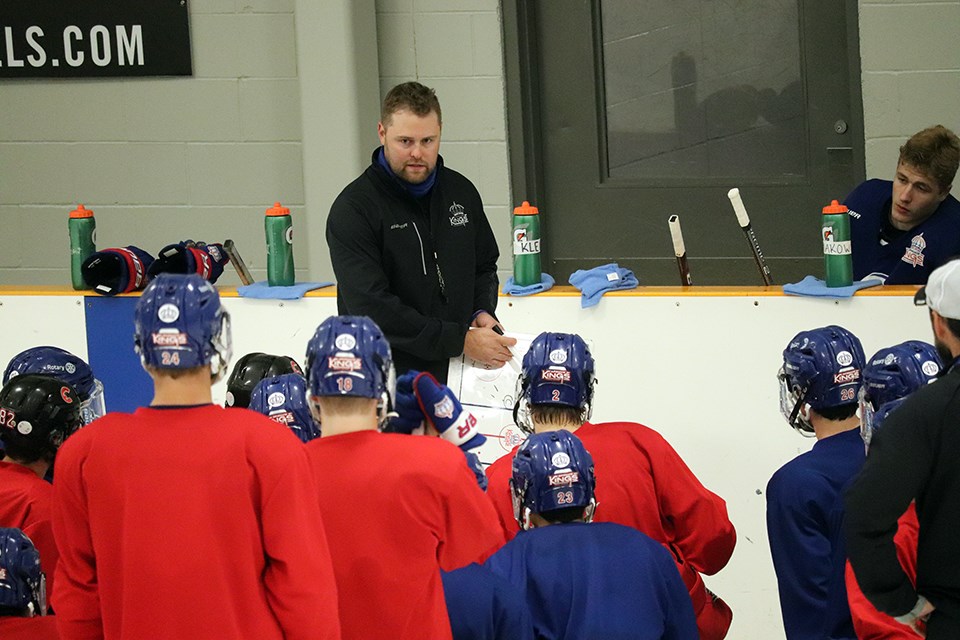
(915, 455)
(386, 247)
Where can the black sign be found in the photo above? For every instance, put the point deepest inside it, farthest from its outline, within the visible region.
(86, 38)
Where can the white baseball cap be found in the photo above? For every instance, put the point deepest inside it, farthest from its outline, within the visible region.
(942, 291)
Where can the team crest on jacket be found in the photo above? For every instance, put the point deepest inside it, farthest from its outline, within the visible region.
(914, 253)
(444, 408)
(458, 215)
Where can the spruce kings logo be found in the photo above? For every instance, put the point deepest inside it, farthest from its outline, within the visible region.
(458, 215)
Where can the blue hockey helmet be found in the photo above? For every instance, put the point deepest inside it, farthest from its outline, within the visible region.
(872, 424)
(892, 374)
(552, 471)
(65, 366)
(349, 356)
(251, 369)
(180, 324)
(37, 413)
(821, 368)
(283, 398)
(558, 369)
(22, 583)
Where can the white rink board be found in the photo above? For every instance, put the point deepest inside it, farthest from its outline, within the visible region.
(700, 370)
(29, 321)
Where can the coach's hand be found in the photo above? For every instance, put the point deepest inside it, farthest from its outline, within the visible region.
(487, 347)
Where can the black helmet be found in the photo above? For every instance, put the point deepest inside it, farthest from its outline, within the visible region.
(37, 413)
(251, 369)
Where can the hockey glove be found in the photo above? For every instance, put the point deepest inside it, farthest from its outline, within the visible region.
(473, 461)
(409, 417)
(119, 270)
(444, 412)
(206, 260)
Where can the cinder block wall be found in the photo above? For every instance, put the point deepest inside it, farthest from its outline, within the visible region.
(456, 48)
(161, 160)
(158, 159)
(910, 63)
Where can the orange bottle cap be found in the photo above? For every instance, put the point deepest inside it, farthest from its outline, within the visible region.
(278, 210)
(80, 212)
(526, 209)
(835, 207)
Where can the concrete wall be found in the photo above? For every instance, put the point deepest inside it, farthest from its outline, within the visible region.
(284, 89)
(456, 48)
(911, 74)
(159, 159)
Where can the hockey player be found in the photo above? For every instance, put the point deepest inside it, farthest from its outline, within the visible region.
(184, 505)
(251, 369)
(646, 485)
(37, 413)
(888, 378)
(23, 598)
(61, 364)
(283, 399)
(584, 580)
(397, 509)
(819, 382)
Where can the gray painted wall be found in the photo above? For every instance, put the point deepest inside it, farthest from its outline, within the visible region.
(284, 89)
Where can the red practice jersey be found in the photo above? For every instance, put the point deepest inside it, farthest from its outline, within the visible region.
(397, 509)
(37, 628)
(197, 522)
(643, 483)
(25, 503)
(869, 623)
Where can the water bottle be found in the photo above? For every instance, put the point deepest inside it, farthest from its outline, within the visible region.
(279, 229)
(837, 256)
(526, 245)
(83, 242)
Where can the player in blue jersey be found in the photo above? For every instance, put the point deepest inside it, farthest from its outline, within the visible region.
(583, 579)
(903, 230)
(819, 384)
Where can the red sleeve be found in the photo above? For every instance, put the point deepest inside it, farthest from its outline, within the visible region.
(471, 532)
(41, 534)
(498, 492)
(299, 581)
(868, 622)
(76, 599)
(697, 517)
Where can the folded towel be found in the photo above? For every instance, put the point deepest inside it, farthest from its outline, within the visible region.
(593, 283)
(265, 291)
(813, 286)
(510, 288)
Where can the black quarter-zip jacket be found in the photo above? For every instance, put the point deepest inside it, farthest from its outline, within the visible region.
(420, 268)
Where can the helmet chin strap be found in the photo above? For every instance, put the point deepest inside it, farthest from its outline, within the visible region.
(799, 422)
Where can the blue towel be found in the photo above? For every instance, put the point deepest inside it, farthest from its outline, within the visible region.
(593, 283)
(813, 286)
(546, 282)
(265, 291)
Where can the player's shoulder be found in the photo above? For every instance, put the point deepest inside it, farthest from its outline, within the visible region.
(503, 464)
(797, 480)
(619, 433)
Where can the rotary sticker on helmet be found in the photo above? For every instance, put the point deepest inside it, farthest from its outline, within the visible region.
(563, 479)
(444, 408)
(890, 359)
(168, 312)
(844, 358)
(70, 367)
(24, 427)
(560, 459)
(930, 368)
(558, 356)
(345, 342)
(230, 399)
(275, 399)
